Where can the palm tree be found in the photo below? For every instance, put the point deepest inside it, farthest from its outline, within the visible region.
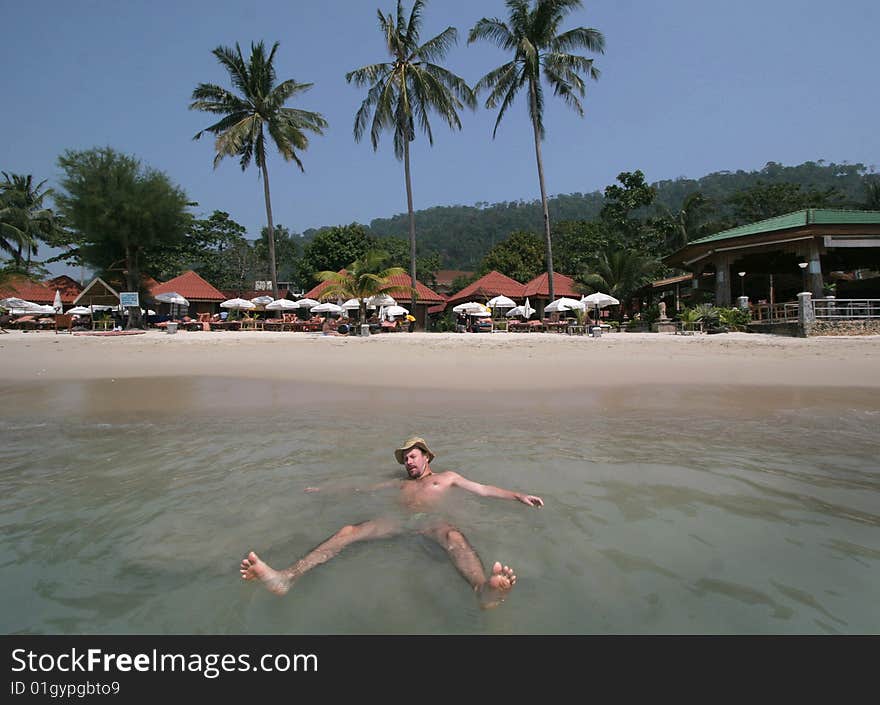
(685, 225)
(531, 33)
(241, 132)
(621, 273)
(404, 90)
(23, 219)
(363, 278)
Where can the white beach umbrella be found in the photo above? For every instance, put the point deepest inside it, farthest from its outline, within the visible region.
(79, 310)
(501, 302)
(351, 304)
(281, 305)
(56, 304)
(13, 302)
(520, 311)
(599, 300)
(380, 300)
(238, 304)
(172, 297)
(262, 300)
(306, 303)
(396, 311)
(564, 304)
(327, 307)
(40, 308)
(471, 308)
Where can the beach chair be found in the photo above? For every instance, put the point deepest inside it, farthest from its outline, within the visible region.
(63, 322)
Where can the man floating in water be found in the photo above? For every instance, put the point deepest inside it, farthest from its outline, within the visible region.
(420, 491)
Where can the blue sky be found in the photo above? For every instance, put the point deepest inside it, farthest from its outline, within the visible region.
(688, 87)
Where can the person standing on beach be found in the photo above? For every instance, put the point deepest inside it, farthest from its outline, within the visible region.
(420, 491)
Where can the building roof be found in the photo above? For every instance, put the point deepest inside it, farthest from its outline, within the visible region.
(809, 216)
(23, 288)
(492, 284)
(424, 295)
(97, 291)
(191, 287)
(67, 286)
(539, 286)
(445, 277)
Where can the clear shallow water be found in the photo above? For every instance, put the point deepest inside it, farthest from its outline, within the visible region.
(667, 510)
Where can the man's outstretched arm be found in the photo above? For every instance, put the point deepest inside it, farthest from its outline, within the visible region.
(379, 486)
(496, 492)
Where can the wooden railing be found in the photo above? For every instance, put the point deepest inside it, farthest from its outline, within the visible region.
(824, 309)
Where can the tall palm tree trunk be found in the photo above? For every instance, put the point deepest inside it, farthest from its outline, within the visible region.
(271, 230)
(412, 226)
(546, 212)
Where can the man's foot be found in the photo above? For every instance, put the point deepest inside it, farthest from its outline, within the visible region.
(495, 589)
(252, 568)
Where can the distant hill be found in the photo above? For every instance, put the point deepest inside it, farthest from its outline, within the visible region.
(463, 234)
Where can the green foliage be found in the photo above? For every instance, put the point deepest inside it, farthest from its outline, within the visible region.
(651, 314)
(461, 281)
(286, 253)
(768, 200)
(399, 256)
(734, 318)
(259, 109)
(333, 248)
(620, 273)
(624, 214)
(24, 220)
(520, 257)
(579, 244)
(365, 277)
(122, 211)
(713, 317)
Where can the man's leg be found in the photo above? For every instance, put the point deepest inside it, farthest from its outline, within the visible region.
(465, 559)
(279, 581)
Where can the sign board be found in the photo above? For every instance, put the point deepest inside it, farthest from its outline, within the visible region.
(129, 298)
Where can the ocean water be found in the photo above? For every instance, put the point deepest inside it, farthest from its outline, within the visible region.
(126, 507)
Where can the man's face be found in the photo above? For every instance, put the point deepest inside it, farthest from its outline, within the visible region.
(416, 462)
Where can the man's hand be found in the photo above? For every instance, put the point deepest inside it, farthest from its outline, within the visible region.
(312, 489)
(531, 500)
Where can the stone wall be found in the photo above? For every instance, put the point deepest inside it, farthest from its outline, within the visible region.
(846, 327)
(790, 329)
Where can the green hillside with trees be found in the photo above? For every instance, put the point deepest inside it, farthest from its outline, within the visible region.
(462, 235)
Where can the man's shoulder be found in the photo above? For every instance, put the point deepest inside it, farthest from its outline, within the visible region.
(448, 475)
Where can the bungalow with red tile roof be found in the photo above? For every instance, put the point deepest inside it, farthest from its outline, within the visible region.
(41, 292)
(425, 297)
(487, 287)
(443, 279)
(202, 297)
(538, 290)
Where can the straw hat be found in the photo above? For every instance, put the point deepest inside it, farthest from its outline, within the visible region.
(414, 442)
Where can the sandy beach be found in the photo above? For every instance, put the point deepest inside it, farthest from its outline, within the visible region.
(449, 361)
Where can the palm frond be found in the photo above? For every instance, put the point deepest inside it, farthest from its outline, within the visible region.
(578, 38)
(437, 47)
(493, 30)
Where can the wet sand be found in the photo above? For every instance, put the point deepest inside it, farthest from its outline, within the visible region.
(448, 362)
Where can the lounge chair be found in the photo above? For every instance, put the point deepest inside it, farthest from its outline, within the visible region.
(63, 322)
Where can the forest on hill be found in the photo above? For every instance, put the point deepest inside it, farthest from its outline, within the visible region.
(462, 235)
